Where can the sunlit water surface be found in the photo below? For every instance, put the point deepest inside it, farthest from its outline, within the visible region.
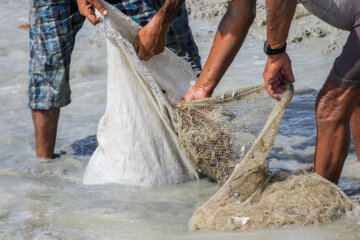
(44, 199)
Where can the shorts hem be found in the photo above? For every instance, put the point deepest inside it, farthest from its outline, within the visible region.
(42, 106)
(342, 82)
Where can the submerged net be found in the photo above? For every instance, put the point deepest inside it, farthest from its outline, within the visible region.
(147, 137)
(257, 199)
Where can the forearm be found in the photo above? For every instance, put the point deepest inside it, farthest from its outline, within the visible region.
(168, 11)
(151, 39)
(278, 67)
(231, 34)
(279, 16)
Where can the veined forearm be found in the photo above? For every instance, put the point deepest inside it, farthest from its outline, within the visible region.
(168, 11)
(231, 34)
(151, 39)
(279, 16)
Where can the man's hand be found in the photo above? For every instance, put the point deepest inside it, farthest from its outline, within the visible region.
(278, 67)
(196, 93)
(86, 9)
(151, 39)
(277, 71)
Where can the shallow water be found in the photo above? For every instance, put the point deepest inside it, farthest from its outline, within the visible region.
(44, 199)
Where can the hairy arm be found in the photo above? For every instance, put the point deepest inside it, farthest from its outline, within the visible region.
(278, 67)
(151, 39)
(230, 35)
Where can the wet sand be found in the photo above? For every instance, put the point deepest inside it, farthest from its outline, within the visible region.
(305, 26)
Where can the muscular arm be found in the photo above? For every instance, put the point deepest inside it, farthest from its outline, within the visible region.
(278, 67)
(151, 39)
(279, 17)
(231, 33)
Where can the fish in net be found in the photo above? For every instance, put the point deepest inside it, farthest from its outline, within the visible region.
(149, 138)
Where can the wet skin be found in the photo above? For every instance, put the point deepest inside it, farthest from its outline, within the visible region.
(45, 126)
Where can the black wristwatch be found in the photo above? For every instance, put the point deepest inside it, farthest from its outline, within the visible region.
(269, 51)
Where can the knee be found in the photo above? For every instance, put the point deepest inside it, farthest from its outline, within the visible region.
(330, 109)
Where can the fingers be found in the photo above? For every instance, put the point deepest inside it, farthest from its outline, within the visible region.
(188, 96)
(98, 5)
(288, 73)
(277, 71)
(90, 15)
(196, 93)
(136, 44)
(140, 49)
(272, 92)
(86, 9)
(142, 54)
(185, 98)
(279, 85)
(274, 83)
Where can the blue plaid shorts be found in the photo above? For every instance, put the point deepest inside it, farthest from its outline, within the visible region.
(53, 27)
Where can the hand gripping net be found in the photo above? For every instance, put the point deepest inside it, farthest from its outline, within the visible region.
(147, 137)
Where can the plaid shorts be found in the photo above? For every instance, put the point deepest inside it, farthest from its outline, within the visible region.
(53, 27)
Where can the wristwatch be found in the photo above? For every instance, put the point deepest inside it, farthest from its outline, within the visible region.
(269, 51)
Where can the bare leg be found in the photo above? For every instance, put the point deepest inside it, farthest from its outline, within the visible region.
(355, 127)
(45, 125)
(334, 106)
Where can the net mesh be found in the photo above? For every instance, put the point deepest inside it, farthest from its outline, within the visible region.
(218, 132)
(147, 137)
(262, 200)
(228, 138)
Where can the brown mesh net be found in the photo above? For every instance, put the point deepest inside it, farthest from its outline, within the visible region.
(260, 200)
(216, 133)
(228, 138)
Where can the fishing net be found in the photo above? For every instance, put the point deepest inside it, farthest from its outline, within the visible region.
(147, 137)
(254, 198)
(217, 133)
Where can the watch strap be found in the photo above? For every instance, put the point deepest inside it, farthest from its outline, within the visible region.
(269, 51)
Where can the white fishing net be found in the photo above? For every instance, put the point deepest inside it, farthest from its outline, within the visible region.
(137, 139)
(147, 137)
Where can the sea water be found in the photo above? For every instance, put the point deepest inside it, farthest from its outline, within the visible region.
(44, 199)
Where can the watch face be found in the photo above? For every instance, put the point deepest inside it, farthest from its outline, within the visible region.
(269, 51)
(267, 48)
